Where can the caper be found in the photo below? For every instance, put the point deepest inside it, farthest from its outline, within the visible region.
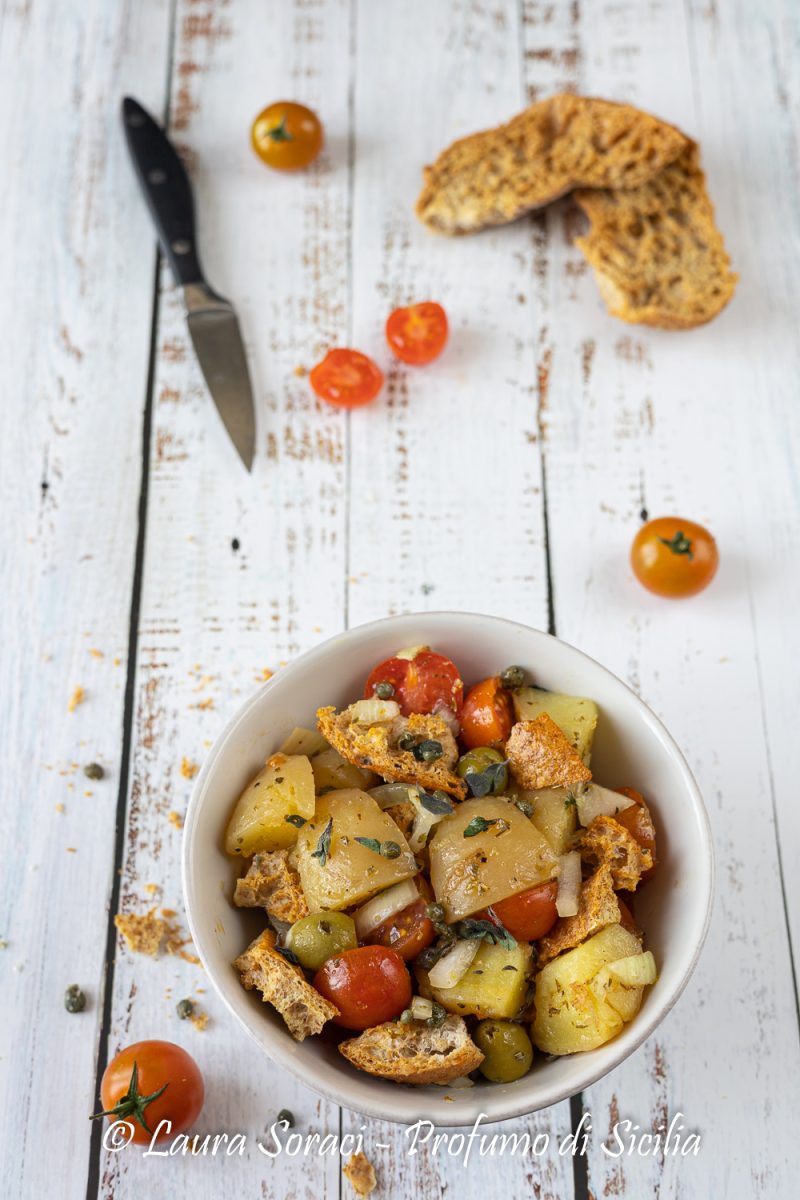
(93, 770)
(512, 677)
(438, 1016)
(428, 751)
(436, 913)
(507, 1050)
(316, 938)
(406, 741)
(286, 1117)
(184, 1009)
(391, 849)
(476, 761)
(406, 1016)
(384, 691)
(74, 999)
(524, 806)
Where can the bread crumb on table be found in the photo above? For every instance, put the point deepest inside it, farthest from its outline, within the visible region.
(78, 696)
(175, 819)
(188, 768)
(143, 932)
(200, 1020)
(361, 1173)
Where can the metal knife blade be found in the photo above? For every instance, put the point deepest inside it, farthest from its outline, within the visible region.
(212, 320)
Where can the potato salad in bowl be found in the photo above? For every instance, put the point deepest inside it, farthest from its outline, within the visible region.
(447, 891)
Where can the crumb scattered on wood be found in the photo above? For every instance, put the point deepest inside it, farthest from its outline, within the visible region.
(361, 1173)
(204, 704)
(175, 819)
(188, 768)
(200, 1020)
(78, 696)
(301, 372)
(143, 932)
(61, 808)
(72, 849)
(95, 653)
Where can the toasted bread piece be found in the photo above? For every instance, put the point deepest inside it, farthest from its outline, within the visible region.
(361, 1173)
(656, 251)
(607, 842)
(540, 756)
(597, 907)
(375, 746)
(272, 883)
(283, 985)
(556, 145)
(414, 1053)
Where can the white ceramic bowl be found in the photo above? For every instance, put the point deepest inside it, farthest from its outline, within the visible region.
(632, 748)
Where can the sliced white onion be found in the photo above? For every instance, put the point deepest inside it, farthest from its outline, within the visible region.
(454, 965)
(411, 652)
(637, 970)
(569, 884)
(423, 822)
(384, 905)
(389, 794)
(595, 801)
(421, 1009)
(371, 712)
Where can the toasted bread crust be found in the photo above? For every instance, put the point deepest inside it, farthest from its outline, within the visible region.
(560, 143)
(414, 1053)
(540, 756)
(597, 907)
(361, 1173)
(272, 883)
(656, 251)
(283, 985)
(608, 843)
(375, 747)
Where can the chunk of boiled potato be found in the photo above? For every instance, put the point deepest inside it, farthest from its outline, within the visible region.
(554, 815)
(470, 872)
(495, 985)
(333, 771)
(284, 788)
(576, 716)
(352, 872)
(578, 1005)
(303, 741)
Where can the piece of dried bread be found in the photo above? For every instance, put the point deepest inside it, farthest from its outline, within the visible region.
(375, 746)
(271, 882)
(558, 144)
(540, 756)
(597, 907)
(658, 256)
(283, 985)
(415, 1053)
(607, 841)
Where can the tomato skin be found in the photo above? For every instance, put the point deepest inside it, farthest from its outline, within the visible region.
(487, 715)
(286, 136)
(639, 824)
(626, 917)
(410, 930)
(346, 378)
(368, 985)
(157, 1063)
(529, 915)
(673, 557)
(421, 683)
(417, 334)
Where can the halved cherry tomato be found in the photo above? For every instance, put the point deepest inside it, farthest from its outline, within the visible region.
(422, 684)
(487, 715)
(346, 378)
(528, 915)
(417, 334)
(159, 1065)
(639, 824)
(674, 557)
(368, 985)
(410, 930)
(286, 135)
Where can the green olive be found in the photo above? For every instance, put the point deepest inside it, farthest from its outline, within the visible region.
(507, 1050)
(475, 762)
(317, 937)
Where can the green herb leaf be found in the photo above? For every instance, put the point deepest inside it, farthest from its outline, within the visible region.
(491, 779)
(570, 800)
(371, 843)
(323, 850)
(436, 802)
(479, 825)
(492, 932)
(295, 819)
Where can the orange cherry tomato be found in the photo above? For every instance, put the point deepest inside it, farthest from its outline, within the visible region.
(529, 915)
(487, 715)
(368, 985)
(639, 824)
(417, 334)
(346, 378)
(421, 685)
(410, 930)
(286, 135)
(150, 1082)
(674, 557)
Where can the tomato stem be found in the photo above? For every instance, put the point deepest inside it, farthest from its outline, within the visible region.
(280, 133)
(679, 544)
(133, 1103)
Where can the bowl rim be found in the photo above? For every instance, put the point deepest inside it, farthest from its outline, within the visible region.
(465, 1114)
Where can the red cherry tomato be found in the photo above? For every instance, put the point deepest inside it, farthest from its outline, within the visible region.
(674, 557)
(346, 378)
(417, 334)
(487, 715)
(422, 684)
(639, 824)
(128, 1099)
(368, 985)
(529, 915)
(410, 930)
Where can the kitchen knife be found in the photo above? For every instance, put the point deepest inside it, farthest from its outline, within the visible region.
(212, 321)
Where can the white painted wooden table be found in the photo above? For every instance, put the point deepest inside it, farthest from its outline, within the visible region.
(142, 564)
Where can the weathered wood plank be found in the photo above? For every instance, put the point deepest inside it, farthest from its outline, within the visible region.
(72, 377)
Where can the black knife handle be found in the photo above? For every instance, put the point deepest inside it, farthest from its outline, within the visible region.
(167, 190)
